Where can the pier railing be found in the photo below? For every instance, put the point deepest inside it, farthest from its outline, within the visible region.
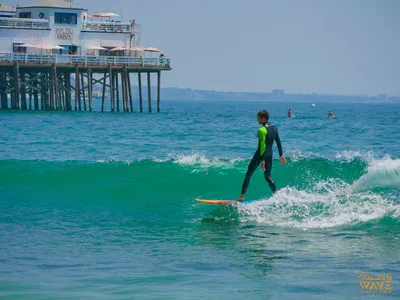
(24, 58)
(24, 23)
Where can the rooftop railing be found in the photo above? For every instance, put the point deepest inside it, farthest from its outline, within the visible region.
(24, 23)
(86, 60)
(123, 27)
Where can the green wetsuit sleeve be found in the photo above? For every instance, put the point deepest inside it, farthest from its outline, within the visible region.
(278, 142)
(262, 133)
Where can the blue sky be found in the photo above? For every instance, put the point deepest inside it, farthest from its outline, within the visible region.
(304, 46)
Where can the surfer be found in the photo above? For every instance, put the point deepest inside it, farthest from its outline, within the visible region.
(267, 134)
(290, 113)
(331, 115)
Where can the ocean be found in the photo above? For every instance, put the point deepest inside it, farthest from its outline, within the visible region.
(101, 205)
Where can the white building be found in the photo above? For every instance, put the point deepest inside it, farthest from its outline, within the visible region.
(60, 27)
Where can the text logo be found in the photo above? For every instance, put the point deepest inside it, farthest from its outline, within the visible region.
(381, 284)
(64, 33)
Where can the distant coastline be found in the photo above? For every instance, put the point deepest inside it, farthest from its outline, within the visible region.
(175, 93)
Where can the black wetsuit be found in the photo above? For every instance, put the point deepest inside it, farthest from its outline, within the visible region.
(267, 134)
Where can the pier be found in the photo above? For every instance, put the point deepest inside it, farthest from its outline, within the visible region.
(78, 54)
(65, 82)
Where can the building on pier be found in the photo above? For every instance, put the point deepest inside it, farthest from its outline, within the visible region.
(56, 51)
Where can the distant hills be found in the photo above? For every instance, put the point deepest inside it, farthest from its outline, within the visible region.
(275, 95)
(174, 93)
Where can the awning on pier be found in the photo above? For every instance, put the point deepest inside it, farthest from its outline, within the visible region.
(119, 48)
(108, 14)
(48, 46)
(103, 15)
(136, 48)
(151, 49)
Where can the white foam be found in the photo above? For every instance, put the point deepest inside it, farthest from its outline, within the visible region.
(308, 210)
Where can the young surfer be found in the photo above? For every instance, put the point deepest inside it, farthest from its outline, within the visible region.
(267, 134)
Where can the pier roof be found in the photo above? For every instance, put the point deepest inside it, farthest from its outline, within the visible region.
(53, 4)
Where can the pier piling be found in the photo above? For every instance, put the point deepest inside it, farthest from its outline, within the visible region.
(52, 88)
(83, 91)
(104, 91)
(140, 91)
(90, 89)
(16, 87)
(76, 87)
(67, 78)
(110, 74)
(30, 97)
(158, 90)
(149, 90)
(125, 87)
(130, 92)
(117, 90)
(23, 91)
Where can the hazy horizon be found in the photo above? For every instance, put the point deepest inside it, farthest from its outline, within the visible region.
(267, 92)
(325, 47)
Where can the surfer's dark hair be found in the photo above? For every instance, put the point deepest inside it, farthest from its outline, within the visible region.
(263, 114)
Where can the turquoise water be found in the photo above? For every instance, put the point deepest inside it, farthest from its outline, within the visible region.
(101, 205)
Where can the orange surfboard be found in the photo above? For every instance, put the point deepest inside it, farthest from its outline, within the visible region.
(224, 202)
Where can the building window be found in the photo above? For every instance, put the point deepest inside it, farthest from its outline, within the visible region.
(25, 15)
(18, 49)
(64, 18)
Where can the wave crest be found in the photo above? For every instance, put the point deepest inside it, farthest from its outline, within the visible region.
(380, 174)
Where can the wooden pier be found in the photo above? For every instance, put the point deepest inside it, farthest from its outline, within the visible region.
(49, 77)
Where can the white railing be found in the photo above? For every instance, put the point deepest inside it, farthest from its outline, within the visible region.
(109, 26)
(24, 23)
(84, 59)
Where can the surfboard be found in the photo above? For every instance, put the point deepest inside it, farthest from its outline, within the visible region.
(222, 202)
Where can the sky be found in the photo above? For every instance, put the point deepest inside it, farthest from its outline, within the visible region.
(302, 46)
